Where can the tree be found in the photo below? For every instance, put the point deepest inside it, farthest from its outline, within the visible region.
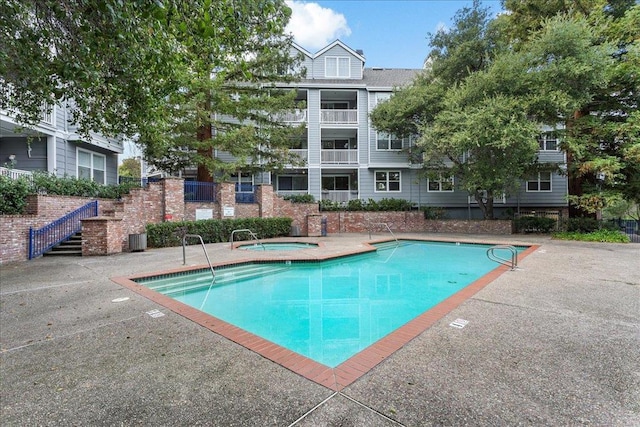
(130, 168)
(112, 62)
(184, 78)
(483, 129)
(602, 134)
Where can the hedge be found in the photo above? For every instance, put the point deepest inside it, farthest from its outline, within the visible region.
(168, 234)
(533, 224)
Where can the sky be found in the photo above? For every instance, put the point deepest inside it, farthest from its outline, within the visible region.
(392, 33)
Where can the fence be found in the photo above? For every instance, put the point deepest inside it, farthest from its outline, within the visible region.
(245, 193)
(43, 239)
(195, 191)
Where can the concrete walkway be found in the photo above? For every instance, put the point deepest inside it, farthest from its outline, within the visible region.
(553, 343)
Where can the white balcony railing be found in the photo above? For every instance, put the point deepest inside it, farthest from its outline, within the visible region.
(48, 116)
(303, 153)
(297, 116)
(339, 156)
(339, 196)
(14, 173)
(339, 116)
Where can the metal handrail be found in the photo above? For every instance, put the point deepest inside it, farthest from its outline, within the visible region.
(387, 227)
(184, 252)
(45, 238)
(512, 263)
(251, 233)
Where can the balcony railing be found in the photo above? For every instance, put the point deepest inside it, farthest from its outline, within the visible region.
(339, 116)
(48, 116)
(297, 116)
(302, 153)
(195, 191)
(339, 196)
(339, 156)
(15, 173)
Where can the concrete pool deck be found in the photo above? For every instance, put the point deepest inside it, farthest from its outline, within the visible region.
(553, 343)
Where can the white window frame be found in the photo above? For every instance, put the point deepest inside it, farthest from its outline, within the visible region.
(338, 68)
(538, 183)
(543, 140)
(92, 168)
(378, 188)
(440, 181)
(388, 138)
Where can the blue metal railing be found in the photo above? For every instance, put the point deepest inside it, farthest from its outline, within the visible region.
(196, 191)
(245, 193)
(43, 239)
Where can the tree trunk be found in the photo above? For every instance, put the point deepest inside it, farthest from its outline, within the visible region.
(204, 134)
(574, 182)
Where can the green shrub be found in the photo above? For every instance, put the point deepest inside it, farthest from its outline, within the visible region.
(168, 234)
(582, 225)
(608, 236)
(367, 205)
(13, 195)
(433, 213)
(300, 198)
(534, 224)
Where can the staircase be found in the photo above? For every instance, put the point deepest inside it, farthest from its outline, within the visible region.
(70, 247)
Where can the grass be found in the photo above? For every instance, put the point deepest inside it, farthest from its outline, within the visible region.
(608, 236)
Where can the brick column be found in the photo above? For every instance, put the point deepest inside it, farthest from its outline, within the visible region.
(173, 199)
(264, 197)
(101, 236)
(226, 198)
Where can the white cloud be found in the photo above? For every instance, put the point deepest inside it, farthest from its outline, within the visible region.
(313, 26)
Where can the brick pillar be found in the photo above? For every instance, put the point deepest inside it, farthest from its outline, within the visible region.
(101, 236)
(173, 199)
(226, 198)
(264, 197)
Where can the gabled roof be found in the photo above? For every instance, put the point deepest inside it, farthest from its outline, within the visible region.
(326, 48)
(301, 49)
(388, 78)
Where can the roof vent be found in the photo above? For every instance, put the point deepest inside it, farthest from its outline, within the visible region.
(360, 52)
(377, 68)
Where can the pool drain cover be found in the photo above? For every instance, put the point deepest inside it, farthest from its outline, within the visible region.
(459, 323)
(155, 313)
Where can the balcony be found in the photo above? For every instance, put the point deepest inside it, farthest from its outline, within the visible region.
(343, 117)
(297, 116)
(303, 153)
(343, 157)
(339, 196)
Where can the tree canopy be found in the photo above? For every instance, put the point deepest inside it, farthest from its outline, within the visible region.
(169, 73)
(491, 85)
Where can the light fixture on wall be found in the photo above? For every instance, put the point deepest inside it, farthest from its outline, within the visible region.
(12, 157)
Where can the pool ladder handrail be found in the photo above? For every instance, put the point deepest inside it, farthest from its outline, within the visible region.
(251, 233)
(511, 263)
(184, 252)
(387, 227)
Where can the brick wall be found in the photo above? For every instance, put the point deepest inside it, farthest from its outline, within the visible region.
(101, 236)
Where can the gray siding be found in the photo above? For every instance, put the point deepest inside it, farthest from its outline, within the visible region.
(313, 126)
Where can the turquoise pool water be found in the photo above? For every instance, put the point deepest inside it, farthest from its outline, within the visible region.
(331, 310)
(278, 246)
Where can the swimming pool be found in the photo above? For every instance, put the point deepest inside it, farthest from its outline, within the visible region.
(330, 310)
(277, 246)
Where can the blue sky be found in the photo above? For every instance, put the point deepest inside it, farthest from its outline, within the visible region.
(392, 33)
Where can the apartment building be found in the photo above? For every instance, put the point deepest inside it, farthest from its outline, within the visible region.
(54, 145)
(346, 158)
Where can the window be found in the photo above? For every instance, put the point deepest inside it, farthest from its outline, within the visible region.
(541, 182)
(244, 182)
(335, 66)
(293, 183)
(387, 181)
(92, 166)
(388, 142)
(442, 183)
(335, 183)
(548, 143)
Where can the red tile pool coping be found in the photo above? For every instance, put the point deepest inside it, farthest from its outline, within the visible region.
(348, 371)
